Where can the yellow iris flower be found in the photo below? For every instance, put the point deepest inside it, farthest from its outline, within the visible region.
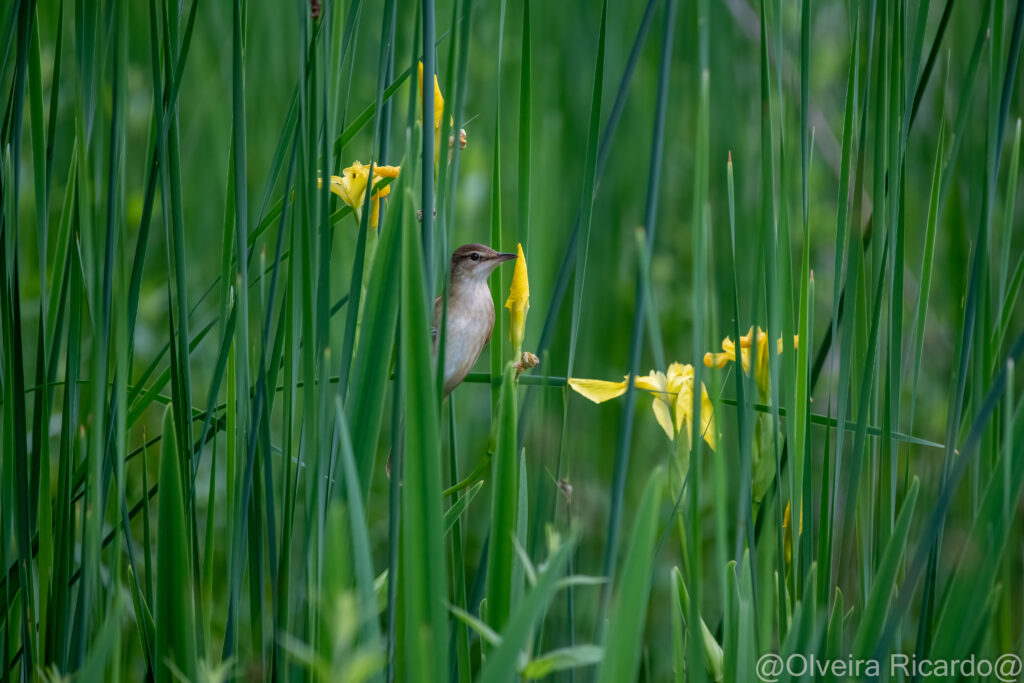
(518, 303)
(761, 371)
(671, 391)
(351, 187)
(439, 116)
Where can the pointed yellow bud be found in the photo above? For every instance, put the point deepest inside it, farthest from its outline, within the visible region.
(518, 303)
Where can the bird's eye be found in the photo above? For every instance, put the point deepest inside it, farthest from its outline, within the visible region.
(475, 256)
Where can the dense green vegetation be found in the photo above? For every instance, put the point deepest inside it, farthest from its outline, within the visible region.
(224, 451)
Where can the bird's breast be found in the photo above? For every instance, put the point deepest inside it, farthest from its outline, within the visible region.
(470, 321)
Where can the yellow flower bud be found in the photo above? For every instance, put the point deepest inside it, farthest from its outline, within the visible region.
(518, 303)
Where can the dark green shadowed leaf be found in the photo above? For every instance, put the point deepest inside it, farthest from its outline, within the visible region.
(423, 576)
(175, 621)
(587, 195)
(645, 248)
(374, 355)
(504, 497)
(143, 620)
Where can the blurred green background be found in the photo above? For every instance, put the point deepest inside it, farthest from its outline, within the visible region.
(564, 44)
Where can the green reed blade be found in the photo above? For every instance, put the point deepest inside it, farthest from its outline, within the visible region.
(504, 497)
(423, 583)
(623, 640)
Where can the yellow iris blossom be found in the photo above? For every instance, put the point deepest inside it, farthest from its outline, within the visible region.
(754, 357)
(761, 371)
(439, 116)
(351, 187)
(518, 303)
(671, 391)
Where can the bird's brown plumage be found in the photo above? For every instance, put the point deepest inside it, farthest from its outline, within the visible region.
(470, 310)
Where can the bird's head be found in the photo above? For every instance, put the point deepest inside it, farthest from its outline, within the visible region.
(474, 262)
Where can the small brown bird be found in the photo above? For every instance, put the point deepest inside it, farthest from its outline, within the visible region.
(470, 310)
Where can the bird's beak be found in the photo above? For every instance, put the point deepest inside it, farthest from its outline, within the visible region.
(501, 258)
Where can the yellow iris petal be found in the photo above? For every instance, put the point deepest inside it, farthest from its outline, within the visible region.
(678, 374)
(718, 360)
(655, 382)
(598, 390)
(707, 418)
(663, 416)
(684, 397)
(518, 302)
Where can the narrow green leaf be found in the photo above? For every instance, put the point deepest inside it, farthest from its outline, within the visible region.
(834, 635)
(562, 659)
(960, 618)
(423, 577)
(587, 195)
(175, 622)
(645, 249)
(505, 494)
(361, 555)
(374, 354)
(478, 625)
(711, 648)
(503, 662)
(629, 606)
(884, 580)
(143, 620)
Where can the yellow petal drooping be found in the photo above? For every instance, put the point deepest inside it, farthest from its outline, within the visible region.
(598, 390)
(707, 418)
(350, 186)
(664, 416)
(518, 303)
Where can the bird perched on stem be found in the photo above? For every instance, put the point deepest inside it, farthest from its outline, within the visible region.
(470, 310)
